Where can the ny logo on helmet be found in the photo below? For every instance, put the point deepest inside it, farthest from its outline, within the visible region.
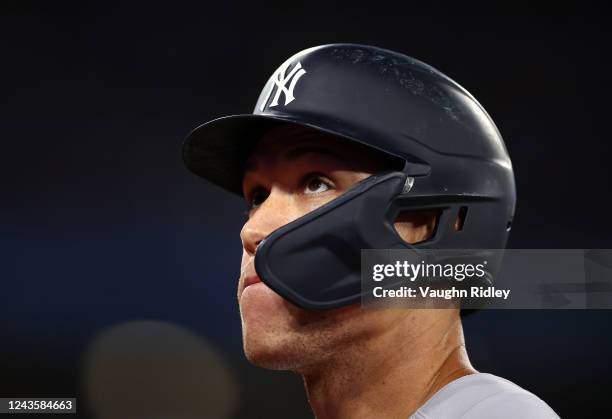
(280, 79)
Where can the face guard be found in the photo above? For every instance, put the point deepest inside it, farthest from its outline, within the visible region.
(455, 161)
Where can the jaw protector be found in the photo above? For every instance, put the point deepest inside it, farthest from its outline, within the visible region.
(314, 261)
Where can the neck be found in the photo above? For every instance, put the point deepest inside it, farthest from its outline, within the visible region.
(391, 374)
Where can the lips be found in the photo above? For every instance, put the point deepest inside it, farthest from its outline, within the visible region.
(248, 281)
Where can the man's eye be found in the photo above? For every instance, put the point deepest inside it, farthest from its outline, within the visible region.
(258, 197)
(316, 185)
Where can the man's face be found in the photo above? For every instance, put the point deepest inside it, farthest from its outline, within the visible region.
(291, 172)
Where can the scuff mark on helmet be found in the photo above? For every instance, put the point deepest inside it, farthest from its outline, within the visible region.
(405, 73)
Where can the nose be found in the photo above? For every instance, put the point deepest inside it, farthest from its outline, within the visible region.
(273, 213)
(251, 237)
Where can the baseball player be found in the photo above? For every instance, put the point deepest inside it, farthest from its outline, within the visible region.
(353, 147)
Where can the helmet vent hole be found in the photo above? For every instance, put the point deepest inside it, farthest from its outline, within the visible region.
(460, 220)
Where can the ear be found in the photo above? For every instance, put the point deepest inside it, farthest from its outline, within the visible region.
(416, 226)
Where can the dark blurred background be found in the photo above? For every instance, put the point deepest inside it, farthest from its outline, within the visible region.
(104, 234)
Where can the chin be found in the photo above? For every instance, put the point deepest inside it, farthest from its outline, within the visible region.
(268, 329)
(271, 343)
(278, 335)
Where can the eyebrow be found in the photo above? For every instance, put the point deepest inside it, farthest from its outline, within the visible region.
(298, 152)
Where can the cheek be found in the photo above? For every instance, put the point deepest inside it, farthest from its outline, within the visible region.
(412, 233)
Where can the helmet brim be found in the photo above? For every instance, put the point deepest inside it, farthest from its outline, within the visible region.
(218, 150)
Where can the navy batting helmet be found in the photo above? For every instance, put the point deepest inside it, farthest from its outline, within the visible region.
(453, 159)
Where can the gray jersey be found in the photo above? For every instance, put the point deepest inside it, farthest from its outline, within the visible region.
(482, 395)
